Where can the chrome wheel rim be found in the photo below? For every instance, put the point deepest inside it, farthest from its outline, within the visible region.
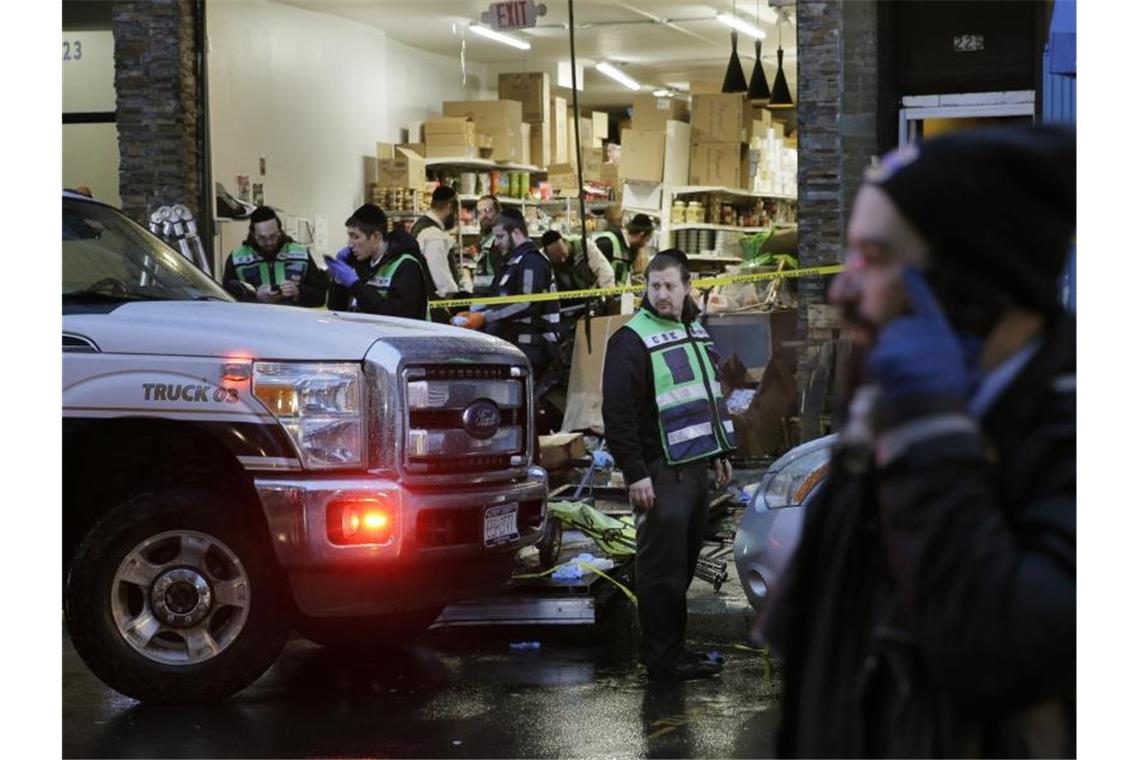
(180, 597)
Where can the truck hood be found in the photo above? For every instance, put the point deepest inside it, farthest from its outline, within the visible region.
(259, 331)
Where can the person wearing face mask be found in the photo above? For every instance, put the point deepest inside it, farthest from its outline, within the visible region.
(378, 272)
(269, 267)
(666, 423)
(930, 607)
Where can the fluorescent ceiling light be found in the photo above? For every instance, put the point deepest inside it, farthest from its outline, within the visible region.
(741, 25)
(616, 74)
(504, 39)
(661, 93)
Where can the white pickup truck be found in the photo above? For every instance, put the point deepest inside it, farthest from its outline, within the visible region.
(232, 471)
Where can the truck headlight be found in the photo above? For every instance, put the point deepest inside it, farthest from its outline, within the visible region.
(319, 405)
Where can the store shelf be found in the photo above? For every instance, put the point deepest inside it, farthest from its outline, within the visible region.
(726, 227)
(654, 212)
(482, 163)
(711, 258)
(693, 189)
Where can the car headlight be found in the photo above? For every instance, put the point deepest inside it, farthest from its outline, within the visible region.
(792, 477)
(319, 405)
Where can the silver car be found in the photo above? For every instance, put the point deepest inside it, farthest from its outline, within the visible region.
(768, 532)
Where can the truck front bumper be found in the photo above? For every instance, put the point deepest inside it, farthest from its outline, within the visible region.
(436, 554)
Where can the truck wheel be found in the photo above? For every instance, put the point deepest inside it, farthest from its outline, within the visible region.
(365, 631)
(171, 598)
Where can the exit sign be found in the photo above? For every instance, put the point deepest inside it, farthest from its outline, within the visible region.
(513, 14)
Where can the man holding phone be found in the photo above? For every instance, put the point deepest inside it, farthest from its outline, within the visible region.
(269, 267)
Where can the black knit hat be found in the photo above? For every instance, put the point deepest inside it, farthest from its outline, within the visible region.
(997, 205)
(548, 237)
(369, 214)
(442, 194)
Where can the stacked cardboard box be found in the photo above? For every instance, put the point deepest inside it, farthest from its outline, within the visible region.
(651, 112)
(404, 169)
(451, 137)
(558, 122)
(720, 132)
(500, 119)
(532, 91)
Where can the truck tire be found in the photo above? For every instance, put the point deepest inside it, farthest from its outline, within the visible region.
(360, 632)
(173, 597)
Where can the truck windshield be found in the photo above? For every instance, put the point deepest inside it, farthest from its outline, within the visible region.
(107, 257)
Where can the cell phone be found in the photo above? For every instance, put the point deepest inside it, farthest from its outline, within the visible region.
(274, 288)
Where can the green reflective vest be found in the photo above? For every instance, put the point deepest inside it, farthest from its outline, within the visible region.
(691, 410)
(620, 261)
(575, 272)
(291, 263)
(380, 279)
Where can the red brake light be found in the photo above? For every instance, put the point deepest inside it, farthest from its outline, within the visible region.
(360, 521)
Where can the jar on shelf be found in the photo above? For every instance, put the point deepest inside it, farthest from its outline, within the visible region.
(678, 216)
(695, 213)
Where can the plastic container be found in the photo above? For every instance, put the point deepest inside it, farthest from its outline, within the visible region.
(695, 213)
(678, 216)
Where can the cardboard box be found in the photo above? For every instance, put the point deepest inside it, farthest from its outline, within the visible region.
(585, 134)
(449, 130)
(407, 169)
(559, 154)
(507, 143)
(592, 159)
(609, 175)
(532, 90)
(600, 128)
(677, 142)
(419, 148)
(540, 153)
(488, 115)
(415, 131)
(719, 118)
(563, 177)
(718, 164)
(524, 139)
(452, 151)
(642, 155)
(584, 390)
(651, 112)
(385, 150)
(556, 451)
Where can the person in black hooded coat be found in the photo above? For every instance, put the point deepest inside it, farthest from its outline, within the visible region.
(930, 608)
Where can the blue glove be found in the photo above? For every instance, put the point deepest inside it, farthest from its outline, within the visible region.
(341, 272)
(602, 459)
(343, 254)
(918, 353)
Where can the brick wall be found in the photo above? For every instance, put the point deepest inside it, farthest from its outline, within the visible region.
(836, 121)
(156, 86)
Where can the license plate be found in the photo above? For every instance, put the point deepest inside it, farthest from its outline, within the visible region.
(500, 524)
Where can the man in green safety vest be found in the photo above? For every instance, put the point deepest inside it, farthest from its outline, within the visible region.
(621, 249)
(378, 272)
(665, 423)
(576, 267)
(490, 258)
(270, 267)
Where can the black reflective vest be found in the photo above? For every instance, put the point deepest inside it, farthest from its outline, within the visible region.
(528, 330)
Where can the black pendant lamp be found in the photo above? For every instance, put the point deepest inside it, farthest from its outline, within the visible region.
(758, 85)
(781, 96)
(734, 78)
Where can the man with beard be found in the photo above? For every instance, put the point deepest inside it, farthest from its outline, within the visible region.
(930, 608)
(621, 247)
(378, 272)
(532, 326)
(432, 233)
(490, 259)
(270, 268)
(576, 267)
(666, 423)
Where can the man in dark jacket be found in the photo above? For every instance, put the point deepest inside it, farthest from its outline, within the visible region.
(378, 272)
(930, 608)
(530, 325)
(269, 267)
(666, 422)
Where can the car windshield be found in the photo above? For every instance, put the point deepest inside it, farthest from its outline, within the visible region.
(107, 257)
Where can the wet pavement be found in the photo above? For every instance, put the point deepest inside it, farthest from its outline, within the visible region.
(461, 693)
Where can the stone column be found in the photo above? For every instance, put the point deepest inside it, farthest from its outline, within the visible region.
(157, 88)
(837, 73)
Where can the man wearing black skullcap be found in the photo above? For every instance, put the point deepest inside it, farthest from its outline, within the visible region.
(432, 232)
(930, 608)
(666, 423)
(622, 246)
(269, 267)
(576, 266)
(378, 272)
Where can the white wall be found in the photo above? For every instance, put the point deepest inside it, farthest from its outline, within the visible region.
(313, 93)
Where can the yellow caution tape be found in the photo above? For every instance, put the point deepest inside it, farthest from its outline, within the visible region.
(709, 282)
(588, 566)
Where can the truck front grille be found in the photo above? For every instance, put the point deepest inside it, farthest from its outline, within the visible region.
(465, 419)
